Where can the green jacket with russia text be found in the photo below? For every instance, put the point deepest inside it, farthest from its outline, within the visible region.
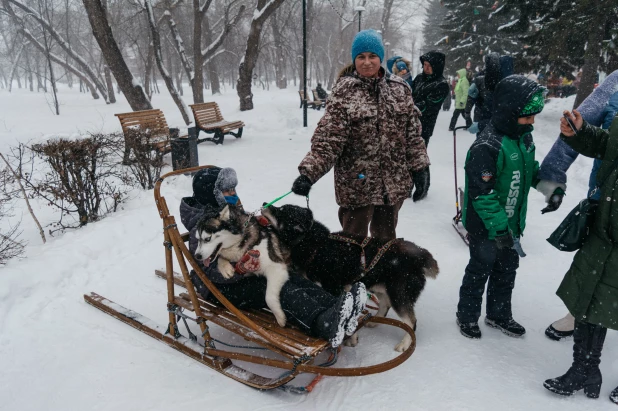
(501, 166)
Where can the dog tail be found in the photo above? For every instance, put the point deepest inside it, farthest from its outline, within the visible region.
(430, 268)
(423, 257)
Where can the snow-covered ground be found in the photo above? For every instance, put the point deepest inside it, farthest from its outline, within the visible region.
(58, 353)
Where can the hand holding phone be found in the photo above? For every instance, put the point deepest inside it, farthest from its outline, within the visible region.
(571, 123)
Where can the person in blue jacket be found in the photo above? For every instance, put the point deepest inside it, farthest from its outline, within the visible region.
(596, 109)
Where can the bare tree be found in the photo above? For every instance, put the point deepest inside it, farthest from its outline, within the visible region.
(134, 92)
(262, 12)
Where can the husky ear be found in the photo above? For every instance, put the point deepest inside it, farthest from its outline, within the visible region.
(224, 215)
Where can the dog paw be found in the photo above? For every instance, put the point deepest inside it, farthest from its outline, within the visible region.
(352, 341)
(402, 346)
(226, 270)
(281, 320)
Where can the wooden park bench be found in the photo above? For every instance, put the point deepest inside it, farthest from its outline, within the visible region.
(148, 125)
(317, 99)
(310, 104)
(208, 119)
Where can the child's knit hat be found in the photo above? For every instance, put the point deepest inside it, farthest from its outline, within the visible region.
(535, 104)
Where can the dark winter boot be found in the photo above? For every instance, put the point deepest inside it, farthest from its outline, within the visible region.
(584, 373)
(359, 294)
(470, 330)
(330, 324)
(509, 326)
(613, 396)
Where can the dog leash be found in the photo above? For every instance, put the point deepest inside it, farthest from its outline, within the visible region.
(259, 210)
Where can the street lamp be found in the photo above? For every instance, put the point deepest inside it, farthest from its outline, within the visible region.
(304, 63)
(360, 10)
(387, 44)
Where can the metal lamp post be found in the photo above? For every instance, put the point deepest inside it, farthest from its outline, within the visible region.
(387, 44)
(304, 63)
(360, 10)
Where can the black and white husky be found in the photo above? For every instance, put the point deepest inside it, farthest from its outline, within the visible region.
(397, 278)
(228, 236)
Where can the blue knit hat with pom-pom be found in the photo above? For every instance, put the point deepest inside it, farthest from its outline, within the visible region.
(368, 41)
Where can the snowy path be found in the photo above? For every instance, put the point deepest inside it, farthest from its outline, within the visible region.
(58, 353)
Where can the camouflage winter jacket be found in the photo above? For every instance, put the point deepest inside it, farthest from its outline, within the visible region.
(371, 134)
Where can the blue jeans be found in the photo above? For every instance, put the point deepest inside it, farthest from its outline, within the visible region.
(487, 263)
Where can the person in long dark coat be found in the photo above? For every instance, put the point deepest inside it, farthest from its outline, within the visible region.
(590, 287)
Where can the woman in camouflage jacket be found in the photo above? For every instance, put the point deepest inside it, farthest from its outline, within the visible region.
(371, 134)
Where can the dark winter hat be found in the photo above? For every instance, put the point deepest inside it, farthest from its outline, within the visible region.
(204, 185)
(535, 104)
(368, 41)
(401, 65)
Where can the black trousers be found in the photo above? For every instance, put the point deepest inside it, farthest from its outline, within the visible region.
(456, 113)
(487, 263)
(301, 299)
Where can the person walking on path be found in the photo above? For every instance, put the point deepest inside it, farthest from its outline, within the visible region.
(461, 97)
(500, 170)
(590, 287)
(429, 90)
(371, 134)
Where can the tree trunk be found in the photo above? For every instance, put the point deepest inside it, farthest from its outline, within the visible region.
(247, 65)
(197, 83)
(169, 82)
(213, 76)
(280, 61)
(148, 72)
(29, 69)
(592, 56)
(14, 67)
(110, 84)
(134, 93)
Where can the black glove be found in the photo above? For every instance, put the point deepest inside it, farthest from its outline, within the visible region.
(554, 201)
(302, 185)
(421, 184)
(504, 239)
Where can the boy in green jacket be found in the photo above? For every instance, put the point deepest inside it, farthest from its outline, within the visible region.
(500, 169)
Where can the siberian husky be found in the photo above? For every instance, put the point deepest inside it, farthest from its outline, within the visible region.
(228, 236)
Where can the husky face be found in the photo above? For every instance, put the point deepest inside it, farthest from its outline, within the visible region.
(291, 222)
(216, 233)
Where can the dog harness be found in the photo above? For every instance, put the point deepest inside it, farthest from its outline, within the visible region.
(362, 245)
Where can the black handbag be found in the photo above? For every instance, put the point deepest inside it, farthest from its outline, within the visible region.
(575, 228)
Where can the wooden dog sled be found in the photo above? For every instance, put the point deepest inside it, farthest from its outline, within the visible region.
(295, 351)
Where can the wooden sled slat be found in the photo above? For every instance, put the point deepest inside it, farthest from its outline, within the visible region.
(219, 360)
(185, 345)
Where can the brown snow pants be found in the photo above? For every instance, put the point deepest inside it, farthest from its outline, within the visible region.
(380, 220)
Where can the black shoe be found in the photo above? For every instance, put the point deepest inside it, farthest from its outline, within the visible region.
(470, 330)
(556, 335)
(359, 294)
(584, 373)
(331, 323)
(510, 327)
(613, 396)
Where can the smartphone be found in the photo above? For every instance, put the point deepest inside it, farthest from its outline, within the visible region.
(568, 119)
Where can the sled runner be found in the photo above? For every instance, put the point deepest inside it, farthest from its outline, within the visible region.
(459, 194)
(290, 349)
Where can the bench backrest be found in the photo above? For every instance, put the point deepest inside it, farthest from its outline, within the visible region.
(205, 113)
(146, 121)
(315, 95)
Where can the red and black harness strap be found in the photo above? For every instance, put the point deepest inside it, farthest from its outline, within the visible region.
(362, 245)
